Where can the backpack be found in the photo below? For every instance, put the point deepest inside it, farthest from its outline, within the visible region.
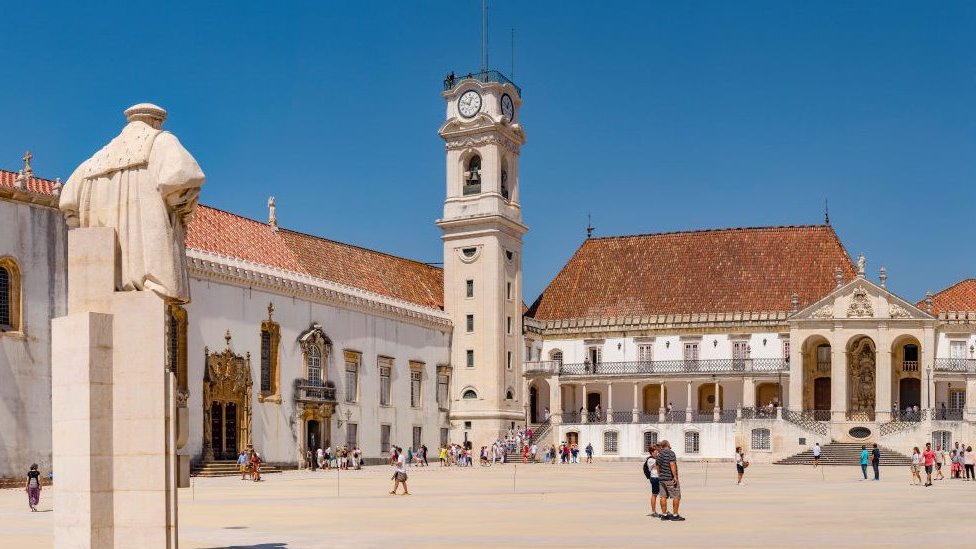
(647, 471)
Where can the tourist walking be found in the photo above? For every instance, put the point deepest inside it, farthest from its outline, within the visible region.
(817, 450)
(400, 473)
(740, 465)
(916, 459)
(667, 464)
(928, 460)
(969, 460)
(651, 473)
(876, 461)
(255, 466)
(864, 461)
(589, 452)
(939, 460)
(33, 487)
(242, 464)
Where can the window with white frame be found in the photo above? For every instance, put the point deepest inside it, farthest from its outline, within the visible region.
(443, 382)
(691, 352)
(692, 442)
(740, 350)
(957, 399)
(650, 439)
(556, 355)
(941, 438)
(645, 352)
(415, 377)
(786, 348)
(469, 288)
(610, 442)
(313, 364)
(594, 354)
(508, 360)
(352, 376)
(469, 323)
(760, 439)
(957, 349)
(386, 372)
(445, 433)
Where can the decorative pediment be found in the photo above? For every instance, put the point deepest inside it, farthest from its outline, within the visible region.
(858, 300)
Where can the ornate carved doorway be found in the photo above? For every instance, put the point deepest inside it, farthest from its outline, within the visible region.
(861, 377)
(227, 389)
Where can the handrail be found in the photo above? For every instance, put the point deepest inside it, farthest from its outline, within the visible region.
(484, 76)
(806, 421)
(963, 365)
(728, 365)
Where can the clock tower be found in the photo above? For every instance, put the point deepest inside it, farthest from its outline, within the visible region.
(482, 226)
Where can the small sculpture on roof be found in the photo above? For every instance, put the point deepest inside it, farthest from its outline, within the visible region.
(861, 264)
(272, 212)
(27, 159)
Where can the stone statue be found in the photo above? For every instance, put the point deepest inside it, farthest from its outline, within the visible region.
(272, 212)
(145, 185)
(861, 264)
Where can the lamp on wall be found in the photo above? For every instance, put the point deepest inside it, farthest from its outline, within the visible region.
(348, 415)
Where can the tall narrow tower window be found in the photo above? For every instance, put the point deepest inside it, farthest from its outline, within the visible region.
(472, 176)
(505, 184)
(469, 288)
(469, 323)
(469, 356)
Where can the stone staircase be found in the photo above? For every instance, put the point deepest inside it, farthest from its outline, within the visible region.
(226, 468)
(845, 453)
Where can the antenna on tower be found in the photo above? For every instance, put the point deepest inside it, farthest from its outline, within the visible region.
(513, 53)
(826, 213)
(484, 35)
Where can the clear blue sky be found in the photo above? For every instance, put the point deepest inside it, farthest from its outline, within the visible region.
(651, 116)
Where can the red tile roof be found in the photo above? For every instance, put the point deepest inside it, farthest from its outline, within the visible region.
(708, 271)
(34, 184)
(216, 231)
(960, 297)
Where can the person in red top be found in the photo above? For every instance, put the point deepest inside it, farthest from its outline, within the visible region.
(929, 460)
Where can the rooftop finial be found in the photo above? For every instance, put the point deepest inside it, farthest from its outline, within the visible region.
(270, 310)
(883, 277)
(589, 226)
(272, 213)
(227, 337)
(794, 302)
(928, 302)
(861, 263)
(839, 276)
(27, 159)
(826, 213)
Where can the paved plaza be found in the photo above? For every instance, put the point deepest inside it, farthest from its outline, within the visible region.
(599, 505)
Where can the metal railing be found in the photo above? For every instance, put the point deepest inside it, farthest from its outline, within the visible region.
(638, 367)
(902, 421)
(622, 417)
(314, 391)
(571, 417)
(727, 416)
(948, 414)
(485, 76)
(961, 365)
(910, 416)
(649, 417)
(807, 420)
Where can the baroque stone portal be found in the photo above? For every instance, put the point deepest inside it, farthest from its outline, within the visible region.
(862, 376)
(227, 390)
(145, 185)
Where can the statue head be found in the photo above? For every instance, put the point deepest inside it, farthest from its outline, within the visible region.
(153, 115)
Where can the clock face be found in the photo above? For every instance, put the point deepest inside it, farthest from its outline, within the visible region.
(508, 107)
(469, 104)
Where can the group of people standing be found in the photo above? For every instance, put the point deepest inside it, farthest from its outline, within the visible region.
(566, 453)
(960, 458)
(661, 469)
(341, 458)
(249, 463)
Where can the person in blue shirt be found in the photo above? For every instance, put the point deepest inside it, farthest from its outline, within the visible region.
(864, 461)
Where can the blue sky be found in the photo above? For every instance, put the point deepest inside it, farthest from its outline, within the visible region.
(650, 116)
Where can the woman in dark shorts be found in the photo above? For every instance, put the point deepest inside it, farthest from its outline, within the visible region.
(740, 464)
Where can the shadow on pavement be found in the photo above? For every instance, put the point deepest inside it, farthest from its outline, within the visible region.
(258, 546)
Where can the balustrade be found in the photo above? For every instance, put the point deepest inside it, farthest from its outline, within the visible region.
(661, 367)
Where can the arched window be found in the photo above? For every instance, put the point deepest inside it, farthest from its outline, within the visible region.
(315, 354)
(270, 337)
(472, 176)
(469, 394)
(760, 439)
(556, 355)
(610, 442)
(313, 364)
(9, 295)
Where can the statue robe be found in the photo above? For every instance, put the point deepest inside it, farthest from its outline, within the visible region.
(145, 185)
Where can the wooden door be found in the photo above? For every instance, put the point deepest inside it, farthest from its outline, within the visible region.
(821, 393)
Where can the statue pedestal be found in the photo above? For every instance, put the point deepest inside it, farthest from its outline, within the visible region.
(113, 408)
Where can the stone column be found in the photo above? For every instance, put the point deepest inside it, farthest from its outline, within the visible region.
(636, 410)
(555, 401)
(586, 411)
(882, 387)
(838, 382)
(749, 392)
(689, 410)
(662, 403)
(716, 412)
(969, 414)
(796, 372)
(609, 418)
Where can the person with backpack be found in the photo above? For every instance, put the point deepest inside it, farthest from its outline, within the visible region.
(33, 487)
(740, 465)
(651, 473)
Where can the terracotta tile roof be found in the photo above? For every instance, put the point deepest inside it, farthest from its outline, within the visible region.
(708, 271)
(960, 297)
(34, 184)
(216, 231)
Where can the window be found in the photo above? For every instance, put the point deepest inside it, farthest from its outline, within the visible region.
(594, 354)
(610, 442)
(508, 325)
(443, 382)
(352, 376)
(417, 436)
(469, 252)
(823, 358)
(315, 350)
(415, 378)
(691, 352)
(270, 337)
(469, 395)
(650, 439)
(692, 442)
(469, 288)
(445, 433)
(352, 435)
(508, 360)
(760, 439)
(386, 370)
(467, 424)
(957, 349)
(740, 350)
(957, 399)
(504, 183)
(9, 295)
(556, 355)
(313, 365)
(385, 438)
(509, 395)
(472, 176)
(941, 438)
(469, 358)
(645, 352)
(786, 349)
(508, 290)
(469, 323)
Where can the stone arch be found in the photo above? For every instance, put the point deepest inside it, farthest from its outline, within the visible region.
(652, 400)
(906, 372)
(538, 400)
(817, 367)
(469, 393)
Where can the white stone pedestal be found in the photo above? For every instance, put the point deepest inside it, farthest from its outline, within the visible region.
(113, 409)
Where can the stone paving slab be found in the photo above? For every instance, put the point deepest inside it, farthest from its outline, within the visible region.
(598, 505)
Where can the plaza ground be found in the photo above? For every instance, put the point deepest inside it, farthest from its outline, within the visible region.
(599, 505)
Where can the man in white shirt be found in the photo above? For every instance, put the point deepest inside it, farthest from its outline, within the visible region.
(816, 454)
(400, 474)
